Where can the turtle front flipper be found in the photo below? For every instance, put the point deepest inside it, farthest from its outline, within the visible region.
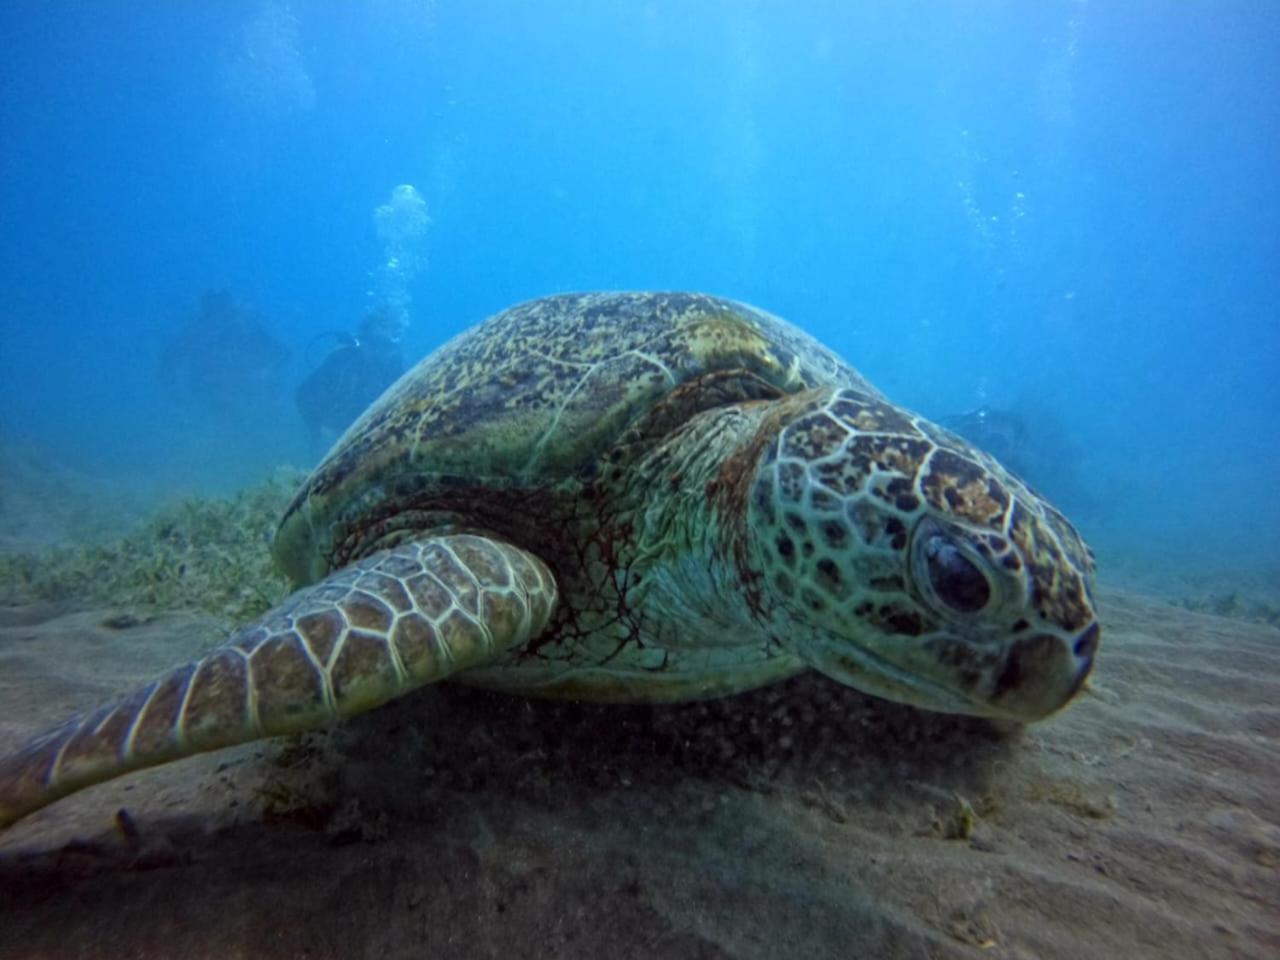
(397, 620)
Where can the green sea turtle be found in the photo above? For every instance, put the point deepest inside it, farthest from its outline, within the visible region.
(625, 497)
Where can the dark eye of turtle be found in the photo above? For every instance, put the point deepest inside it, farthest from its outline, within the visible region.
(956, 581)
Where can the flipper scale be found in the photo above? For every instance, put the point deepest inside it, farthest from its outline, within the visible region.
(369, 633)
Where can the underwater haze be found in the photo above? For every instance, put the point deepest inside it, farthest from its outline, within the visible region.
(1061, 214)
(493, 717)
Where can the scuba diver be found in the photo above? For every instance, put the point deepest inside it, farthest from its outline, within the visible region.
(223, 360)
(352, 376)
(1034, 444)
(1002, 433)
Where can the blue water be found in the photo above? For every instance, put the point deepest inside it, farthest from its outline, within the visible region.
(1068, 209)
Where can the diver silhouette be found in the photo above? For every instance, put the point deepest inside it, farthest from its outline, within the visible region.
(223, 359)
(351, 377)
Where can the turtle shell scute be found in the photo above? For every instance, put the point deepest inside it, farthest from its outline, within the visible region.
(536, 396)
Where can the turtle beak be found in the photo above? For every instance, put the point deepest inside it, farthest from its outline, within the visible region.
(1035, 676)
(1043, 672)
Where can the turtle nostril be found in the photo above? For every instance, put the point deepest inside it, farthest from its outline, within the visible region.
(1087, 643)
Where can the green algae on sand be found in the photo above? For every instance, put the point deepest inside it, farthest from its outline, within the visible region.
(205, 553)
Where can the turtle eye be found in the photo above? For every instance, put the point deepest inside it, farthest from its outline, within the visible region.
(955, 580)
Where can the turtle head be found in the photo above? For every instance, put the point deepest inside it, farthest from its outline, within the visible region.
(898, 559)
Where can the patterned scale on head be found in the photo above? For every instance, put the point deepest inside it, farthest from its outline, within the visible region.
(915, 567)
(625, 497)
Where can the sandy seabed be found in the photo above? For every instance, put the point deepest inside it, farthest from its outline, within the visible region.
(803, 820)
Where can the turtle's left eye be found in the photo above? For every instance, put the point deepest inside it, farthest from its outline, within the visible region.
(956, 581)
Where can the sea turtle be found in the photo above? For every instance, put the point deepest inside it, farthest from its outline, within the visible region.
(625, 497)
